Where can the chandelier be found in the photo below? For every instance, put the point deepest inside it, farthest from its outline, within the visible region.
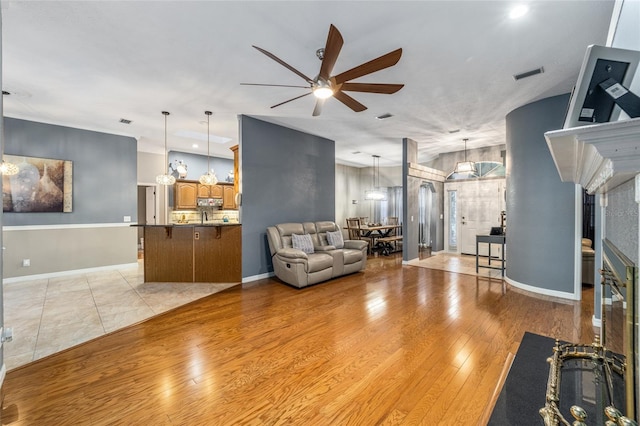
(166, 178)
(465, 166)
(208, 178)
(375, 194)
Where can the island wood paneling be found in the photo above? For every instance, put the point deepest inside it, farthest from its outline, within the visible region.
(217, 254)
(168, 254)
(394, 345)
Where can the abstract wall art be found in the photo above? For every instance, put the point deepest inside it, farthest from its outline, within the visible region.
(41, 185)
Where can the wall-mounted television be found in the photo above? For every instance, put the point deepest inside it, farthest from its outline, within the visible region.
(602, 91)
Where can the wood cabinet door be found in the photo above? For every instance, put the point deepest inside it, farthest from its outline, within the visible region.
(203, 191)
(228, 198)
(215, 191)
(185, 194)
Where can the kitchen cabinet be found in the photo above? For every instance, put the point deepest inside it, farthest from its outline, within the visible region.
(228, 197)
(209, 191)
(204, 191)
(185, 195)
(215, 191)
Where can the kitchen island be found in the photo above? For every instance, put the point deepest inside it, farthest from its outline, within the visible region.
(195, 252)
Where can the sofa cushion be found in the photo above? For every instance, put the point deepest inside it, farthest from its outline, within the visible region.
(319, 261)
(302, 242)
(335, 239)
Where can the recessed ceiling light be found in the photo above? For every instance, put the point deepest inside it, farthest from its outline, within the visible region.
(356, 152)
(125, 121)
(519, 11)
(195, 145)
(454, 131)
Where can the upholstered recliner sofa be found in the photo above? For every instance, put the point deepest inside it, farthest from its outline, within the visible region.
(318, 260)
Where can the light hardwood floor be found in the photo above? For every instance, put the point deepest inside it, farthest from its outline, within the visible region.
(395, 345)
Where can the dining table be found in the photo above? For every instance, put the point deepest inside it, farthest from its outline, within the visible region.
(376, 233)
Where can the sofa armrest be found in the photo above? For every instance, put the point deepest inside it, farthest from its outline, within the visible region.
(323, 248)
(355, 244)
(292, 253)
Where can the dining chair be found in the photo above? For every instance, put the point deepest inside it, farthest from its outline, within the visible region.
(354, 226)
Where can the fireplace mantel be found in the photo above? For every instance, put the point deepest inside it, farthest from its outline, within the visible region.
(599, 156)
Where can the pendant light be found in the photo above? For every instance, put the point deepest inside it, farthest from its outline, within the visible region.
(166, 178)
(465, 166)
(375, 193)
(208, 178)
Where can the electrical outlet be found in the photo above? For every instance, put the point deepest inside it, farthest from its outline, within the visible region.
(127, 218)
(26, 262)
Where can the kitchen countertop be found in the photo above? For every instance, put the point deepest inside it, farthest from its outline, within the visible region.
(193, 224)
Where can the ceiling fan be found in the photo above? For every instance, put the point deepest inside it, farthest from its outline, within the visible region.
(325, 85)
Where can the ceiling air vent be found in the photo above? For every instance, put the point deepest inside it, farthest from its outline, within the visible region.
(125, 121)
(383, 116)
(528, 73)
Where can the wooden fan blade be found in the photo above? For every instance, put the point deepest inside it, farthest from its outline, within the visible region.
(349, 101)
(284, 64)
(272, 85)
(318, 108)
(331, 51)
(292, 99)
(386, 89)
(380, 63)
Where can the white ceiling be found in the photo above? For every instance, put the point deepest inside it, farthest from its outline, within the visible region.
(86, 64)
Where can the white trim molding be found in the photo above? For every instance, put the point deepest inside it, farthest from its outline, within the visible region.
(257, 277)
(73, 226)
(70, 272)
(542, 291)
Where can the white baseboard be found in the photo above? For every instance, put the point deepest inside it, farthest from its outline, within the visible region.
(67, 273)
(257, 277)
(597, 322)
(543, 291)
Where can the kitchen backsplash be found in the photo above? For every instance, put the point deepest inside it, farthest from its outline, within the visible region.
(212, 215)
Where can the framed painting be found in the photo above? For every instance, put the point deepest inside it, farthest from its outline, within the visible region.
(41, 185)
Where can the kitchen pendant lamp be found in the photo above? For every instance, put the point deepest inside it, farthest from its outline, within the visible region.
(166, 178)
(375, 194)
(465, 166)
(208, 178)
(8, 169)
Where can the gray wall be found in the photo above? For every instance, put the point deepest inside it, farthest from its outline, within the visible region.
(287, 176)
(104, 171)
(411, 188)
(540, 208)
(197, 164)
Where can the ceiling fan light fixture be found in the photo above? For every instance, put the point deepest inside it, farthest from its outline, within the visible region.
(322, 89)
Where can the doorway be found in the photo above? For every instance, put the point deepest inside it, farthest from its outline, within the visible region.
(473, 208)
(147, 211)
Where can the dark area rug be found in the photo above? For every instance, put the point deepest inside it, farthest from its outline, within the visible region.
(523, 393)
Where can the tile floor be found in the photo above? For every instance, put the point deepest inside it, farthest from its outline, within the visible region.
(464, 264)
(49, 315)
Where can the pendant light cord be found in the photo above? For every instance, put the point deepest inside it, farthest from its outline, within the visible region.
(208, 113)
(166, 153)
